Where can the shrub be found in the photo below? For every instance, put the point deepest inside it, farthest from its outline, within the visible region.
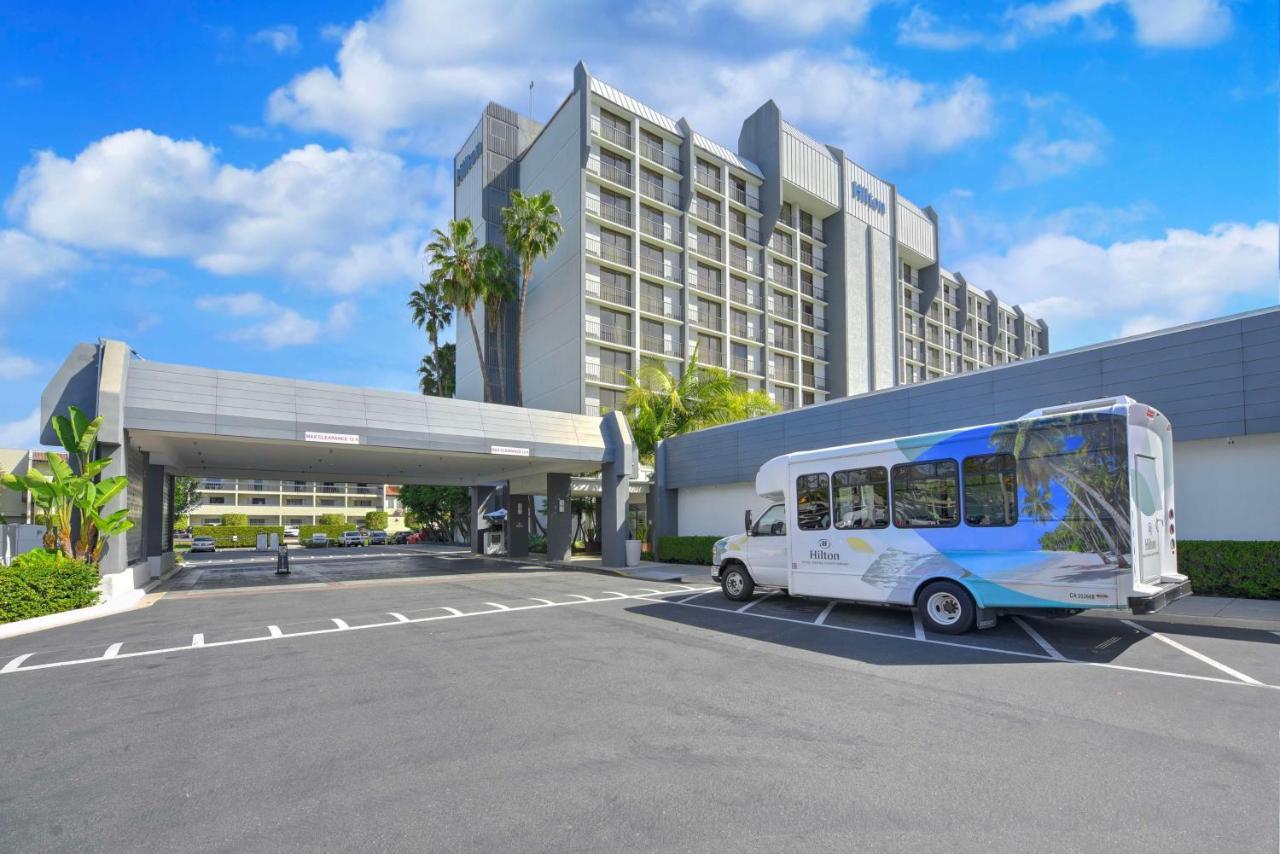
(1247, 569)
(376, 520)
(332, 531)
(538, 544)
(686, 549)
(235, 520)
(244, 535)
(41, 582)
(332, 519)
(182, 523)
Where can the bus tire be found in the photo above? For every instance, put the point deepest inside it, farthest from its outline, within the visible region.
(946, 607)
(736, 582)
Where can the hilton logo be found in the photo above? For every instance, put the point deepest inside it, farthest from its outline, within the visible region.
(862, 194)
(821, 553)
(465, 166)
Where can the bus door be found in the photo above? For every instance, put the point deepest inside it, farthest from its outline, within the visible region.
(767, 547)
(1149, 496)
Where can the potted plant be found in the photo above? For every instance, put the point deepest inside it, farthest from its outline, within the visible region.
(633, 546)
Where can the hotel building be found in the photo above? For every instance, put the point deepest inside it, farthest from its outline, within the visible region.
(783, 262)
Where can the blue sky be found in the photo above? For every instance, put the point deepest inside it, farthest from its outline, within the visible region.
(248, 186)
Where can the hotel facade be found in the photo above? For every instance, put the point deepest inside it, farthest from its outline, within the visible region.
(783, 262)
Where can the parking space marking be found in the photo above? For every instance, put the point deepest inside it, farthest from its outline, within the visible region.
(822, 618)
(1038, 638)
(15, 663)
(1199, 656)
(500, 607)
(197, 640)
(756, 601)
(917, 623)
(401, 617)
(113, 651)
(1106, 643)
(699, 593)
(543, 601)
(977, 648)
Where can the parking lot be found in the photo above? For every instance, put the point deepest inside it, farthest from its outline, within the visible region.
(428, 699)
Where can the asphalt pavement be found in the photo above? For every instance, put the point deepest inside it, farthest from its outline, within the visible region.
(436, 701)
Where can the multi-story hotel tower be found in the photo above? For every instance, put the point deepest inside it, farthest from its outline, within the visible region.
(785, 262)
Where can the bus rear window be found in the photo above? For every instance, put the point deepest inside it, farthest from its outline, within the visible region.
(926, 495)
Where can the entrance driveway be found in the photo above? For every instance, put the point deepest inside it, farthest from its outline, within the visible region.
(500, 709)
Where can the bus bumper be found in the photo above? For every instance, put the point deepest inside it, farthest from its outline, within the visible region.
(1169, 592)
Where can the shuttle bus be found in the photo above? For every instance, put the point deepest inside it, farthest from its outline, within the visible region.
(1065, 509)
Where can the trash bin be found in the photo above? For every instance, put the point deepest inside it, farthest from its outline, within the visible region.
(282, 560)
(493, 542)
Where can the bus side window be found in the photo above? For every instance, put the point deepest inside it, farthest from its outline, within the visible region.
(926, 495)
(990, 491)
(813, 502)
(861, 498)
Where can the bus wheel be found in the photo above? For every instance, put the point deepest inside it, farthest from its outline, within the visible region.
(946, 607)
(736, 583)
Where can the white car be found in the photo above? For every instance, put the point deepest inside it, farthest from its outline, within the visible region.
(291, 530)
(351, 538)
(203, 544)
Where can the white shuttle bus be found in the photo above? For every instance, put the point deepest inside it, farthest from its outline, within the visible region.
(1064, 509)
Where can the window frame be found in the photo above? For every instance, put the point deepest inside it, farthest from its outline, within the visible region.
(888, 495)
(823, 476)
(964, 497)
(893, 501)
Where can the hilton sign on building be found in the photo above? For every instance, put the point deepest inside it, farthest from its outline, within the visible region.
(782, 261)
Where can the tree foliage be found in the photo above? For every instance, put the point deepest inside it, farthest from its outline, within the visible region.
(438, 371)
(439, 509)
(432, 313)
(660, 405)
(186, 495)
(531, 225)
(376, 520)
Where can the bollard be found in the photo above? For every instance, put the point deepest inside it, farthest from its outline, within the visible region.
(282, 560)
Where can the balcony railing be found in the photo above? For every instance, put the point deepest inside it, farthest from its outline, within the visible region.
(709, 248)
(708, 213)
(744, 330)
(711, 356)
(610, 252)
(814, 321)
(654, 344)
(618, 136)
(666, 308)
(610, 172)
(659, 193)
(814, 230)
(613, 213)
(782, 276)
(809, 289)
(710, 180)
(706, 319)
(707, 284)
(816, 351)
(740, 260)
(658, 154)
(659, 267)
(781, 243)
(812, 260)
(746, 366)
(742, 197)
(612, 293)
(614, 333)
(601, 374)
(653, 227)
(786, 375)
(747, 232)
(746, 297)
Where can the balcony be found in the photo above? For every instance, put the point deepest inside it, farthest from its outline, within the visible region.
(746, 297)
(659, 155)
(814, 261)
(609, 172)
(809, 289)
(813, 230)
(740, 259)
(664, 307)
(610, 293)
(747, 331)
(614, 333)
(660, 268)
(654, 227)
(613, 213)
(706, 319)
(814, 321)
(746, 366)
(815, 351)
(708, 213)
(781, 243)
(746, 232)
(711, 356)
(659, 193)
(609, 252)
(786, 375)
(620, 137)
(710, 180)
(782, 308)
(663, 346)
(782, 276)
(600, 374)
(707, 284)
(746, 199)
(708, 248)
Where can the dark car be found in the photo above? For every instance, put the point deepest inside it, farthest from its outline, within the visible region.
(400, 538)
(377, 538)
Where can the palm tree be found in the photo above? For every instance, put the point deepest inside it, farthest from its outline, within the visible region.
(497, 286)
(437, 371)
(431, 313)
(454, 256)
(660, 405)
(532, 227)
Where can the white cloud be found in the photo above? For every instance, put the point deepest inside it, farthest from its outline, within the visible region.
(282, 38)
(15, 367)
(278, 326)
(1079, 141)
(22, 433)
(1180, 23)
(1089, 292)
(25, 259)
(413, 75)
(345, 219)
(922, 28)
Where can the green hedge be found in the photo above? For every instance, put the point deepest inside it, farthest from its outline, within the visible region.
(1250, 570)
(247, 534)
(41, 582)
(333, 532)
(332, 519)
(686, 549)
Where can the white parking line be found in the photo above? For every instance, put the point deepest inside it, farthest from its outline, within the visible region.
(543, 601)
(1038, 638)
(401, 617)
(580, 596)
(700, 593)
(1199, 656)
(500, 607)
(977, 648)
(15, 663)
(197, 640)
(822, 618)
(113, 652)
(340, 623)
(756, 601)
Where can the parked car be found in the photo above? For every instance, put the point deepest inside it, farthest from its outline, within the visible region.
(319, 539)
(351, 538)
(203, 544)
(291, 530)
(377, 538)
(400, 538)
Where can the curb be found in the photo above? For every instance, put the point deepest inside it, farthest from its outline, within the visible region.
(130, 601)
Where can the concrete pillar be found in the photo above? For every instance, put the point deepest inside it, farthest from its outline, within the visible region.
(621, 464)
(664, 508)
(517, 528)
(559, 517)
(481, 497)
